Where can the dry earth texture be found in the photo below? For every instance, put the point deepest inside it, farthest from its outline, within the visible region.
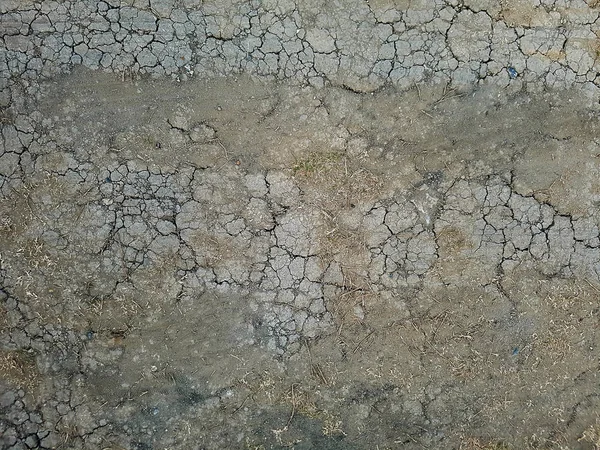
(308, 225)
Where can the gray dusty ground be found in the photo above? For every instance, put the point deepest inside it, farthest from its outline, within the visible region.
(361, 44)
(310, 225)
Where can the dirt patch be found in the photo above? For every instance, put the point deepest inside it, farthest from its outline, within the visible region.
(245, 264)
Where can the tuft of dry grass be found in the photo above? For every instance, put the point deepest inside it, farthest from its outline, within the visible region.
(556, 55)
(6, 224)
(6, 117)
(18, 369)
(331, 182)
(344, 307)
(595, 49)
(592, 435)
(341, 240)
(316, 163)
(332, 426)
(297, 398)
(452, 239)
(250, 445)
(516, 13)
(479, 444)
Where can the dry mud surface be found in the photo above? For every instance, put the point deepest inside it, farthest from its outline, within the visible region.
(378, 228)
(236, 264)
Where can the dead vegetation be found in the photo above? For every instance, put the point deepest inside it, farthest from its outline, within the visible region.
(452, 240)
(6, 116)
(298, 398)
(592, 435)
(518, 13)
(594, 46)
(472, 443)
(332, 181)
(18, 369)
(593, 3)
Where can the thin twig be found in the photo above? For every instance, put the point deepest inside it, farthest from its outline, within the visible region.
(293, 409)
(592, 286)
(444, 98)
(242, 404)
(361, 341)
(418, 90)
